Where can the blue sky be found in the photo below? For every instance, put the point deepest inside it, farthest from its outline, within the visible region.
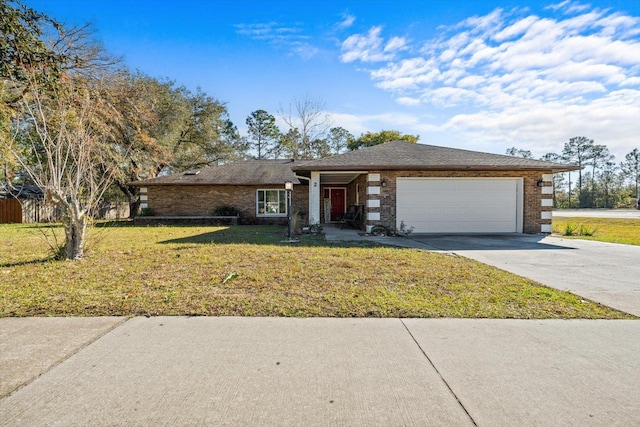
(480, 75)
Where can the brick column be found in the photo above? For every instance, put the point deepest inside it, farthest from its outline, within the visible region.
(546, 203)
(373, 201)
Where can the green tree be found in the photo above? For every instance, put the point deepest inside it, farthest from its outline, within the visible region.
(339, 139)
(263, 132)
(578, 151)
(320, 148)
(287, 145)
(610, 183)
(370, 139)
(558, 178)
(167, 128)
(600, 158)
(516, 152)
(631, 169)
(24, 57)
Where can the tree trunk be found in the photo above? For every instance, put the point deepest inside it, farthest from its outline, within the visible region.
(133, 196)
(74, 238)
(75, 225)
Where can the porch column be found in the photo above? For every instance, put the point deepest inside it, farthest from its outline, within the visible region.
(314, 198)
(373, 201)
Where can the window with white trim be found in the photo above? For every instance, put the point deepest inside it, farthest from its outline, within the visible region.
(271, 203)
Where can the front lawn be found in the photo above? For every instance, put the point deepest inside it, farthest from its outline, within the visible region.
(247, 271)
(613, 230)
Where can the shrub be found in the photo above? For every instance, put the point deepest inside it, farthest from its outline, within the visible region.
(145, 212)
(226, 211)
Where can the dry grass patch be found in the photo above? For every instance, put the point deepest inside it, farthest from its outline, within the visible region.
(247, 271)
(613, 230)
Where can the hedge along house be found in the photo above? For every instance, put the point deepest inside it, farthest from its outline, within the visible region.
(254, 187)
(432, 189)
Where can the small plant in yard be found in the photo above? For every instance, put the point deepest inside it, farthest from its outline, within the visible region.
(381, 230)
(570, 229)
(587, 231)
(403, 230)
(315, 228)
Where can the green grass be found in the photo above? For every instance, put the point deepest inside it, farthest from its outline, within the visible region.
(248, 271)
(614, 230)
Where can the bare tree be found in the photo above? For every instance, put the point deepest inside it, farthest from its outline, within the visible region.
(307, 115)
(73, 157)
(57, 112)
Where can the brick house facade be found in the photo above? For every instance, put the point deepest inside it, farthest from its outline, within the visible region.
(202, 200)
(370, 178)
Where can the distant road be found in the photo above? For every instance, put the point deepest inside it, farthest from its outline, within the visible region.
(597, 213)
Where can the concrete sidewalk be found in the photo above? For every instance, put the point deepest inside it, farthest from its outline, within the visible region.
(283, 371)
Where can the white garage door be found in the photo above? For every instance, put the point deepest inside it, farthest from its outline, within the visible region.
(460, 205)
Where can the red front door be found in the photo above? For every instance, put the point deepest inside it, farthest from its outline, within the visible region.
(337, 203)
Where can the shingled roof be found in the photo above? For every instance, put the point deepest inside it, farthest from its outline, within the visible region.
(400, 155)
(248, 172)
(396, 155)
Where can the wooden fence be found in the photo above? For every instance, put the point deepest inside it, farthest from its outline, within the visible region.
(14, 211)
(10, 211)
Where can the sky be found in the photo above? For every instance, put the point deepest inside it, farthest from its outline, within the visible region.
(479, 75)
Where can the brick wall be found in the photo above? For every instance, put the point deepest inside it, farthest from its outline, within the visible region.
(201, 200)
(532, 198)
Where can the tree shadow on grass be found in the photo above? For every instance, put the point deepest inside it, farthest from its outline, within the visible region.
(261, 235)
(29, 262)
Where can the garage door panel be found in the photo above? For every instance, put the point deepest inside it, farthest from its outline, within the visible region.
(458, 204)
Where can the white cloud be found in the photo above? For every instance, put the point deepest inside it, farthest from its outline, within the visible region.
(347, 21)
(371, 47)
(406, 100)
(539, 79)
(289, 37)
(358, 124)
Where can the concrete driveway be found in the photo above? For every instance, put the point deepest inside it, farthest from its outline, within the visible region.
(607, 273)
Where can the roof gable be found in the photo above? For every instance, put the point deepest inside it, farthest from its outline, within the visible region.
(398, 155)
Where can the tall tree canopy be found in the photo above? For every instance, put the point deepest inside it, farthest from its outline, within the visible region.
(339, 139)
(517, 152)
(370, 139)
(167, 128)
(263, 132)
(631, 169)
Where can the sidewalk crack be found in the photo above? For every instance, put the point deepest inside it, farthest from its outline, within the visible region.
(439, 373)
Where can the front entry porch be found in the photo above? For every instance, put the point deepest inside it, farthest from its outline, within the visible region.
(332, 193)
